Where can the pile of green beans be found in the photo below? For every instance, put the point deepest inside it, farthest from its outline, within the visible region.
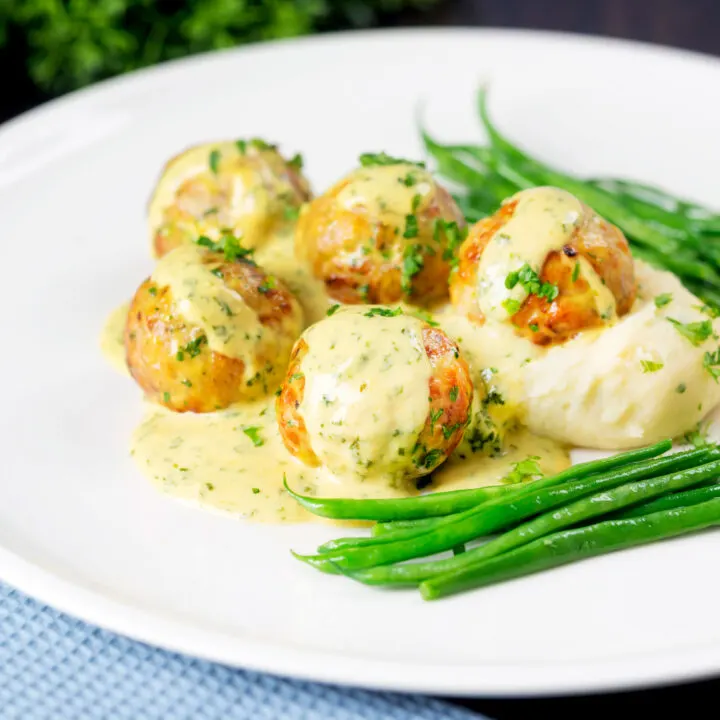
(668, 232)
(589, 509)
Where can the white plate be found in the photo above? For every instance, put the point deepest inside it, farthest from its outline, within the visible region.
(82, 530)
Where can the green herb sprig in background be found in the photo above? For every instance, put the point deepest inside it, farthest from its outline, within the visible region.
(65, 44)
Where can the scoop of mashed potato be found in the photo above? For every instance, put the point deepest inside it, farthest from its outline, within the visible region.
(644, 379)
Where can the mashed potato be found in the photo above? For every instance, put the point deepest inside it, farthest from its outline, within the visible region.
(634, 383)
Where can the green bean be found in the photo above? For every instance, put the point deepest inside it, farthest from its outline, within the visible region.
(405, 528)
(445, 503)
(569, 546)
(419, 526)
(609, 499)
(385, 528)
(652, 196)
(422, 506)
(652, 212)
(397, 529)
(678, 499)
(575, 472)
(492, 516)
(452, 167)
(673, 236)
(671, 233)
(526, 171)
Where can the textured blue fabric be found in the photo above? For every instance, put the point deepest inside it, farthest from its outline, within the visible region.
(53, 667)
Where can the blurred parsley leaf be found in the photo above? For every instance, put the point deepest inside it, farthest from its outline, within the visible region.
(71, 43)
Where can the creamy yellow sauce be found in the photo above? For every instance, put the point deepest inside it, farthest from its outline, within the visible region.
(112, 340)
(224, 185)
(211, 460)
(381, 191)
(351, 433)
(278, 258)
(544, 220)
(234, 460)
(231, 326)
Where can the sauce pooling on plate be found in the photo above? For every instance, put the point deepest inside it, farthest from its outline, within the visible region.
(388, 400)
(235, 460)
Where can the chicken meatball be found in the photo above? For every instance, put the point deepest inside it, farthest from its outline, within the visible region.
(374, 393)
(548, 264)
(244, 187)
(209, 329)
(384, 233)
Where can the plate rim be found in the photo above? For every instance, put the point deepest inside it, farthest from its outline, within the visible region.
(353, 35)
(172, 634)
(539, 679)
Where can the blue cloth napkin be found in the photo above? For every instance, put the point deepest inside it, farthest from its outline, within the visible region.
(55, 667)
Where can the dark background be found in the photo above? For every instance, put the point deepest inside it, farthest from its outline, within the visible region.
(693, 24)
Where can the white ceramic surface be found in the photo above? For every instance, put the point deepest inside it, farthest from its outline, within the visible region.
(82, 530)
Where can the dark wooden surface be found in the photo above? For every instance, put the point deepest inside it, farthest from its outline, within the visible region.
(692, 24)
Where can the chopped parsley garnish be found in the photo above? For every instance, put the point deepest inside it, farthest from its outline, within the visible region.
(435, 415)
(576, 272)
(711, 362)
(217, 272)
(663, 299)
(229, 245)
(696, 437)
(648, 366)
(524, 471)
(254, 434)
(454, 235)
(210, 486)
(268, 284)
(411, 227)
(429, 459)
(696, 332)
(383, 312)
(511, 305)
(534, 327)
(256, 143)
(708, 310)
(454, 390)
(448, 430)
(224, 306)
(332, 310)
(193, 348)
(494, 397)
(417, 199)
(408, 180)
(413, 263)
(425, 317)
(214, 161)
(681, 388)
(296, 161)
(186, 383)
(291, 212)
(370, 159)
(256, 491)
(166, 397)
(152, 290)
(530, 281)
